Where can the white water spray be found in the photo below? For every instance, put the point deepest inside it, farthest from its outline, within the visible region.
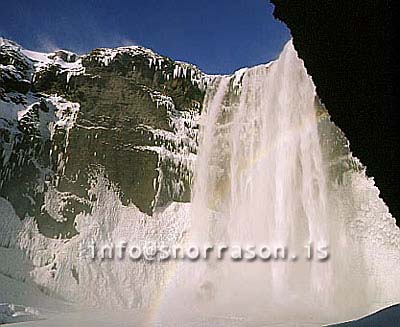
(263, 177)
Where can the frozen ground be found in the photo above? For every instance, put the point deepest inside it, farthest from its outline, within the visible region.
(132, 318)
(389, 317)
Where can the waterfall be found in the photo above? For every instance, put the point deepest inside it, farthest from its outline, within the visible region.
(269, 173)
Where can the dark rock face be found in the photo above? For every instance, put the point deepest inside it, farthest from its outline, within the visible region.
(389, 317)
(347, 47)
(127, 112)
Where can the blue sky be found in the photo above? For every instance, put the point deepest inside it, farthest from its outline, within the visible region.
(219, 36)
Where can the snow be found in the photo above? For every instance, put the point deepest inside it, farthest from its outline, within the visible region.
(39, 57)
(106, 56)
(44, 60)
(62, 114)
(109, 221)
(39, 61)
(178, 147)
(238, 77)
(20, 298)
(10, 114)
(8, 43)
(10, 72)
(11, 111)
(66, 114)
(11, 313)
(93, 318)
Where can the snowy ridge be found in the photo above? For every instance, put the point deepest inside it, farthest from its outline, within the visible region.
(18, 60)
(105, 56)
(42, 61)
(72, 64)
(65, 61)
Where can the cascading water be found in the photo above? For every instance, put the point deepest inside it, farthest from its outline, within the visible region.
(266, 175)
